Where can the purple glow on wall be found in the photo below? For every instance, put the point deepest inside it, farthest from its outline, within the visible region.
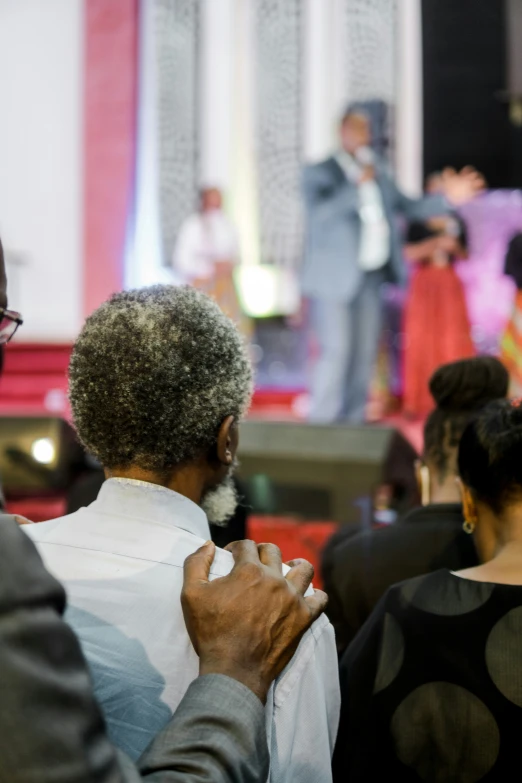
(492, 220)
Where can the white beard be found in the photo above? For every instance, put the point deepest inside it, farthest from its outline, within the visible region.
(220, 503)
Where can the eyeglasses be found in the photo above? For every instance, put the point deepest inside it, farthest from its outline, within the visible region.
(9, 323)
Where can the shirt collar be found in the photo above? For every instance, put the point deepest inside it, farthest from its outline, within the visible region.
(140, 499)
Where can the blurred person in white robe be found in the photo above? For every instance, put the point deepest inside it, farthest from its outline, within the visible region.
(207, 251)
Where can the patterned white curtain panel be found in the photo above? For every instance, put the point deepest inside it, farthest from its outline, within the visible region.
(177, 39)
(371, 55)
(278, 142)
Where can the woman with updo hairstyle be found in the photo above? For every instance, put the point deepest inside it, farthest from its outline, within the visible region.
(432, 686)
(459, 390)
(359, 570)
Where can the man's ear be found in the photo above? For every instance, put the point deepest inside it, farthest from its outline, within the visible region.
(227, 441)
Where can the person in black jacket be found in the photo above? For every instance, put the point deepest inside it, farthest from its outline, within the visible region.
(362, 568)
(431, 686)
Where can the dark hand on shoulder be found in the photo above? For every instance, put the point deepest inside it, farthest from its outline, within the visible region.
(248, 624)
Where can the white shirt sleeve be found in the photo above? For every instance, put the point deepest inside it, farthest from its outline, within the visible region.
(303, 710)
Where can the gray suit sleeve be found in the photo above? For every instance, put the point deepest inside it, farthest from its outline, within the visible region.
(51, 727)
(324, 199)
(418, 209)
(217, 735)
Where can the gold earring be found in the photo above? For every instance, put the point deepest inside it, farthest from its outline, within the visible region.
(468, 526)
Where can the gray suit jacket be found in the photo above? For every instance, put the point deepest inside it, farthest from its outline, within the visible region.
(51, 728)
(333, 229)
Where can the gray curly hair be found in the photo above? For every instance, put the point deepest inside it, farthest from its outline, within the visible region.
(152, 376)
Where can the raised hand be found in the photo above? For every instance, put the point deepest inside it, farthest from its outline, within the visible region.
(461, 187)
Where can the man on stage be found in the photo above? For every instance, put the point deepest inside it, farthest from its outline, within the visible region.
(353, 246)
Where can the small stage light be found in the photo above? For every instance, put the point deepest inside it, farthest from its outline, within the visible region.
(43, 451)
(265, 290)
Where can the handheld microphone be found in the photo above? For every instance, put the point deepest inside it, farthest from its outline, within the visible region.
(365, 156)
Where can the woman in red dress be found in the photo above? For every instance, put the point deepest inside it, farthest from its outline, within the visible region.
(437, 329)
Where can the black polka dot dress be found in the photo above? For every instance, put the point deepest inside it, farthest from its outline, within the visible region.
(432, 685)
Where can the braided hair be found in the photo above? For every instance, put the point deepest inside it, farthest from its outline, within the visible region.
(460, 390)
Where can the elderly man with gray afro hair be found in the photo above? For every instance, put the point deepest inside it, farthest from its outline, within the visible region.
(159, 380)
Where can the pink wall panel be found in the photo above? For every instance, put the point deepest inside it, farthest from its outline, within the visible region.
(111, 51)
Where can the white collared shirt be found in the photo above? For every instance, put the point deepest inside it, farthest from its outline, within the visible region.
(121, 560)
(374, 250)
(204, 239)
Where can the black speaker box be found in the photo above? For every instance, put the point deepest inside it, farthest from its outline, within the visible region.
(312, 471)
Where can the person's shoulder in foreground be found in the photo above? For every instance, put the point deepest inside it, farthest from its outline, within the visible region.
(51, 726)
(50, 723)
